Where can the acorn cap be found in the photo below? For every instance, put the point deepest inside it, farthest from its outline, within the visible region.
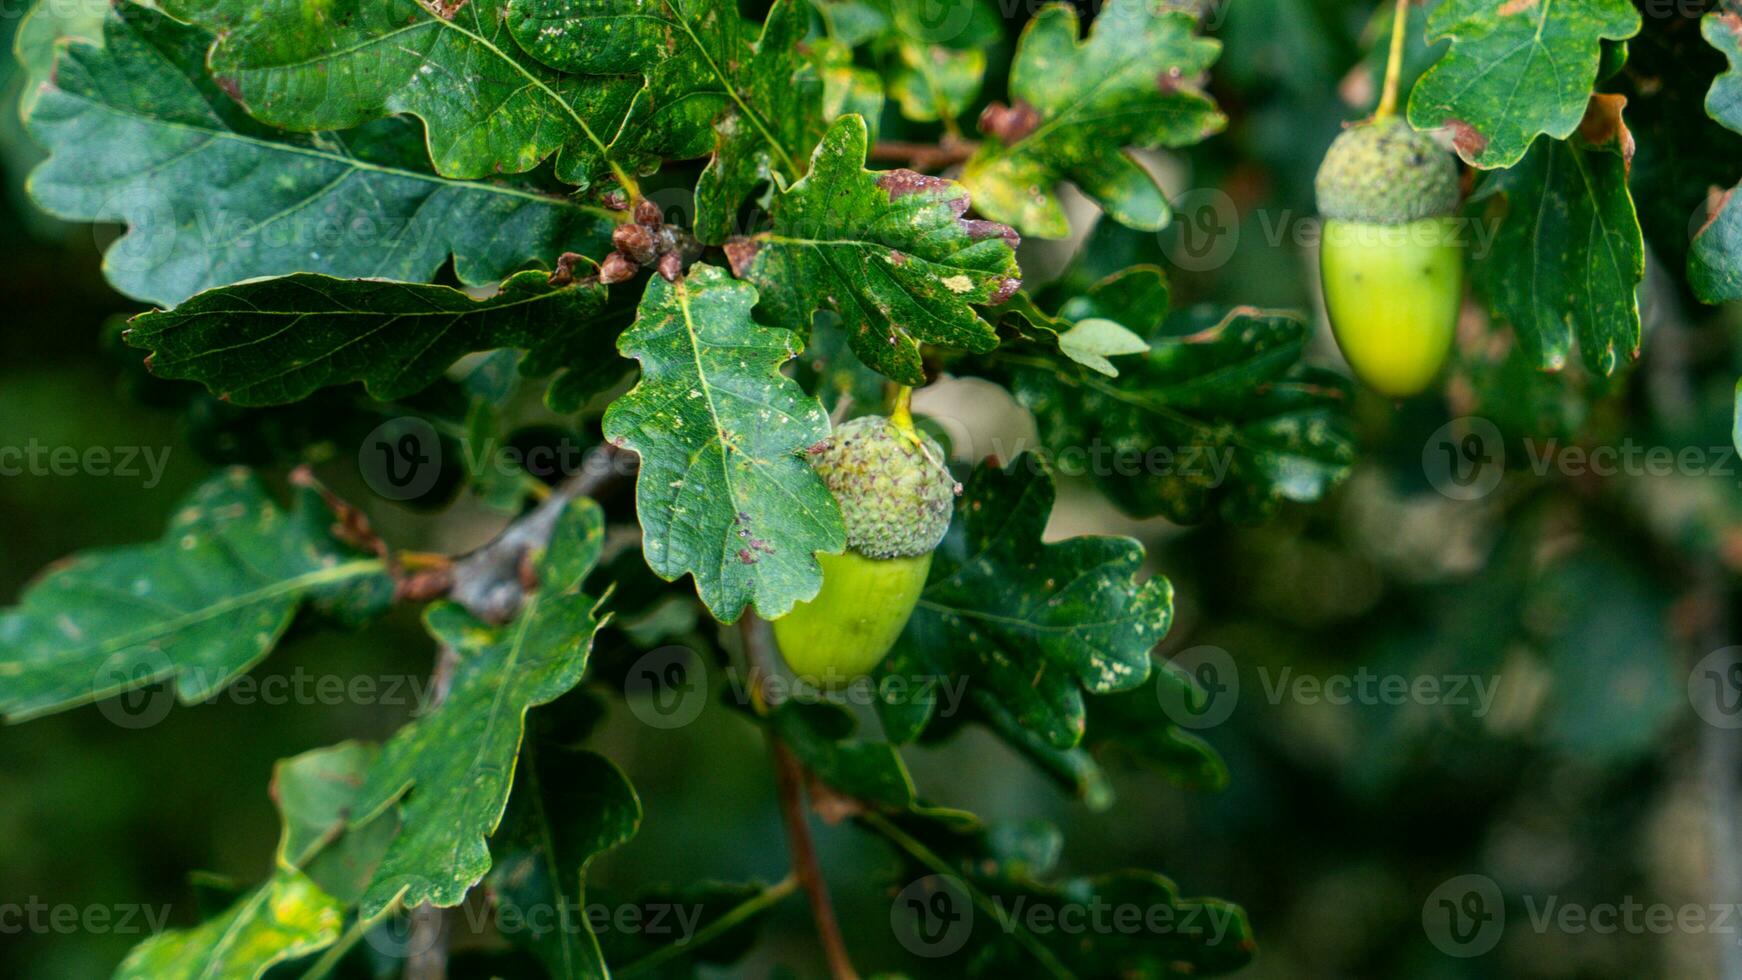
(896, 496)
(1383, 172)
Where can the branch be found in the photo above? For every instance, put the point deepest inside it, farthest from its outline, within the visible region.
(488, 582)
(925, 156)
(789, 777)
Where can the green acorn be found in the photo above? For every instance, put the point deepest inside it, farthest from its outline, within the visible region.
(896, 497)
(1390, 257)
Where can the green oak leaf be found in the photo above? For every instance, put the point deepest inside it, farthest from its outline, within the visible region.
(1078, 105)
(273, 341)
(1031, 625)
(1567, 254)
(889, 252)
(1515, 70)
(1087, 328)
(823, 738)
(1715, 255)
(999, 884)
(487, 107)
(293, 914)
(47, 23)
(716, 82)
(848, 89)
(200, 606)
(138, 133)
(458, 761)
(286, 918)
(567, 808)
(933, 54)
(1219, 413)
(724, 492)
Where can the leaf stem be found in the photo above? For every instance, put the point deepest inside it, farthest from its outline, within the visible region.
(901, 415)
(1393, 62)
(925, 156)
(765, 899)
(789, 779)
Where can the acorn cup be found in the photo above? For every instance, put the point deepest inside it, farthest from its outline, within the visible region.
(896, 498)
(1390, 256)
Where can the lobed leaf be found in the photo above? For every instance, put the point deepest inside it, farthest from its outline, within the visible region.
(1220, 413)
(1715, 255)
(1515, 70)
(724, 492)
(293, 914)
(889, 252)
(1567, 254)
(138, 133)
(272, 341)
(200, 606)
(487, 107)
(715, 82)
(1077, 106)
(1030, 625)
(458, 761)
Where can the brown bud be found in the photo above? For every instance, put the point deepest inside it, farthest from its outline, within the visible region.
(648, 213)
(671, 266)
(635, 241)
(1009, 123)
(617, 268)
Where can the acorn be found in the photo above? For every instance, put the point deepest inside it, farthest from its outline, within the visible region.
(896, 498)
(1390, 255)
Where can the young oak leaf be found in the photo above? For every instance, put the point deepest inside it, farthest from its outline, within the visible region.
(890, 252)
(458, 761)
(1078, 105)
(1114, 317)
(201, 606)
(724, 493)
(716, 82)
(137, 132)
(1029, 625)
(1515, 70)
(488, 108)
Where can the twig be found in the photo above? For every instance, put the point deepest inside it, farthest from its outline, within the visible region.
(789, 780)
(768, 897)
(925, 156)
(428, 944)
(488, 581)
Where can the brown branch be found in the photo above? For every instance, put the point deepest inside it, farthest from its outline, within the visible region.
(925, 156)
(488, 582)
(789, 782)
